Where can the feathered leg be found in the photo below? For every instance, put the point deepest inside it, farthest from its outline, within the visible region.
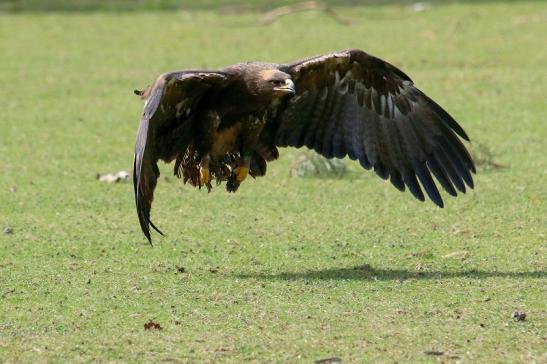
(250, 135)
(204, 174)
(242, 170)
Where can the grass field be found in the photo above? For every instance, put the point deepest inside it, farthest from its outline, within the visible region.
(287, 269)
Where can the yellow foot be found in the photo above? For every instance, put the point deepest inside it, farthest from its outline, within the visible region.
(241, 173)
(204, 176)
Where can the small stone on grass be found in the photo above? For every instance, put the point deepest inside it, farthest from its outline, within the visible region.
(519, 316)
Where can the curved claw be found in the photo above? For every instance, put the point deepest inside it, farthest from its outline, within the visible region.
(232, 184)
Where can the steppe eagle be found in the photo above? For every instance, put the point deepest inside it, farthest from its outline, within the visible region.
(226, 124)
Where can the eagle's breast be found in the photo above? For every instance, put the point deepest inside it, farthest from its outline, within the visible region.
(225, 139)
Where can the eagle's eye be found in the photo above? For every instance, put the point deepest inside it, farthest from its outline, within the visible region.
(278, 82)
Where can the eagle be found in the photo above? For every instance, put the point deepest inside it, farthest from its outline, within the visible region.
(224, 125)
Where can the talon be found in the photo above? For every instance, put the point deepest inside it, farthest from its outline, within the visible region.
(232, 184)
(241, 173)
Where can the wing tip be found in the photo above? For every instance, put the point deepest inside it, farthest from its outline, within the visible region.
(143, 212)
(145, 226)
(146, 223)
(148, 237)
(438, 201)
(155, 228)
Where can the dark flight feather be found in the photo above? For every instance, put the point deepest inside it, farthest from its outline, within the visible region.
(167, 109)
(387, 123)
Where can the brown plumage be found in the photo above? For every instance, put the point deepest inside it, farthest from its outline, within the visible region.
(224, 124)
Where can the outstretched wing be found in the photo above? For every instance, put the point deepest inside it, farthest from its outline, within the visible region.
(170, 104)
(351, 103)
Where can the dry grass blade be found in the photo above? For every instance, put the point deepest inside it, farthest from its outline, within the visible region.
(272, 15)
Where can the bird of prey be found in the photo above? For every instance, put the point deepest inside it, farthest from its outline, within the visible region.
(224, 125)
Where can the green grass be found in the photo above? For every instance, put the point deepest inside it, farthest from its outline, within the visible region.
(303, 269)
(220, 5)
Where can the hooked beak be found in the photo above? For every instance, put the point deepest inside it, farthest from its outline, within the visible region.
(288, 87)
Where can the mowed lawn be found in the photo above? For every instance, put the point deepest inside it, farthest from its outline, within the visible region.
(287, 269)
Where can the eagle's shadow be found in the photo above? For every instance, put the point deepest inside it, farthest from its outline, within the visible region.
(366, 272)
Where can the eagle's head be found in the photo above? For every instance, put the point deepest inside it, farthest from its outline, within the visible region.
(274, 84)
(278, 82)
